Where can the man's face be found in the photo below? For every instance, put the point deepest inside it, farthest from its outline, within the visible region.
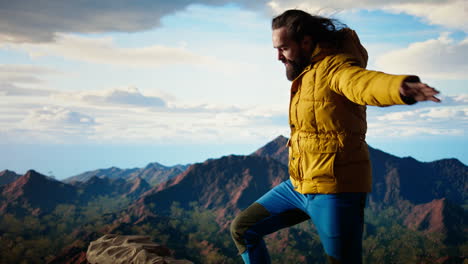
(295, 56)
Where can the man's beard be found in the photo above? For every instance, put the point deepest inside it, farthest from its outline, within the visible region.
(294, 68)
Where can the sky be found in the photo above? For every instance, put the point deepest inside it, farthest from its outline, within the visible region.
(94, 84)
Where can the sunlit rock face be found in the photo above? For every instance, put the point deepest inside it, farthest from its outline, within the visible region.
(115, 249)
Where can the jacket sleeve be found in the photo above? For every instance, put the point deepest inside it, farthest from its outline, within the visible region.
(361, 86)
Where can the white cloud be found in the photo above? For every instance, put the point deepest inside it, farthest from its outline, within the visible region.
(24, 80)
(398, 116)
(396, 131)
(446, 114)
(442, 58)
(462, 98)
(47, 124)
(452, 107)
(450, 13)
(8, 89)
(82, 121)
(105, 51)
(58, 116)
(24, 74)
(450, 118)
(427, 114)
(455, 100)
(121, 96)
(127, 115)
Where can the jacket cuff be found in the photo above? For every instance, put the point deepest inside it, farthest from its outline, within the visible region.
(408, 99)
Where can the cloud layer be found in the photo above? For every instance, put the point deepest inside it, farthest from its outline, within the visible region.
(40, 21)
(442, 58)
(449, 118)
(105, 51)
(449, 13)
(32, 111)
(125, 114)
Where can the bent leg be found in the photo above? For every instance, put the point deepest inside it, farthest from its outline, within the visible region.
(252, 224)
(273, 211)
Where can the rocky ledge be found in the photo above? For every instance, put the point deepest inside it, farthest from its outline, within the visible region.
(119, 249)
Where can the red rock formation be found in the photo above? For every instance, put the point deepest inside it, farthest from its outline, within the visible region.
(226, 185)
(439, 218)
(35, 193)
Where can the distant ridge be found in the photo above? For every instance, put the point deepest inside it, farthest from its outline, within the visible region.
(153, 173)
(276, 149)
(34, 193)
(7, 176)
(227, 184)
(396, 179)
(111, 173)
(112, 187)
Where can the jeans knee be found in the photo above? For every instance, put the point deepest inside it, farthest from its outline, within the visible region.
(237, 233)
(240, 231)
(241, 225)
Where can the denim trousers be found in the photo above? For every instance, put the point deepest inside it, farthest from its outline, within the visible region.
(338, 218)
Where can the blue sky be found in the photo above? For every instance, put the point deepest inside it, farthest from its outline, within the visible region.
(86, 86)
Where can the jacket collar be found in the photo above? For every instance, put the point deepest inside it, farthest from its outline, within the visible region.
(350, 45)
(321, 51)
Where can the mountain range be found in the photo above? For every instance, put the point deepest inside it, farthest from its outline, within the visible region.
(37, 194)
(425, 192)
(153, 173)
(8, 176)
(428, 196)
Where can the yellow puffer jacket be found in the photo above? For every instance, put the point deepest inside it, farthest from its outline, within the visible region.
(327, 115)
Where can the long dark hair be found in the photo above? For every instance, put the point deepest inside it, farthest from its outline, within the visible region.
(300, 24)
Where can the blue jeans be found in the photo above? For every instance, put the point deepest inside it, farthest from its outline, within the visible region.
(339, 219)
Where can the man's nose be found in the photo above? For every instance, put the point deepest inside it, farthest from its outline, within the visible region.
(280, 55)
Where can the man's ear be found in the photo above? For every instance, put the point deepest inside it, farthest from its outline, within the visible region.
(306, 43)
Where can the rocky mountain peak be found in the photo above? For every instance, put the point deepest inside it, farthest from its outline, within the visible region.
(36, 193)
(7, 176)
(276, 149)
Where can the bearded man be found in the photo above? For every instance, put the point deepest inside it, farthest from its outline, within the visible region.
(329, 165)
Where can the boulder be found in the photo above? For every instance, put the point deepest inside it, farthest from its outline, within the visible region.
(119, 249)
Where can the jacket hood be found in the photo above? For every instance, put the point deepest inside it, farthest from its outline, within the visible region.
(350, 45)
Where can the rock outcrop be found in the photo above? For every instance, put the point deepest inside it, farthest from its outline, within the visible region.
(7, 176)
(118, 249)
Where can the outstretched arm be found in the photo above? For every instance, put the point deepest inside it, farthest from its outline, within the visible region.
(367, 87)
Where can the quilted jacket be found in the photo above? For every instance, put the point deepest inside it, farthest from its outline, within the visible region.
(327, 115)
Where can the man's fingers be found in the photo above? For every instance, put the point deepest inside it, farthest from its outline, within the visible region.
(419, 91)
(434, 99)
(430, 93)
(423, 92)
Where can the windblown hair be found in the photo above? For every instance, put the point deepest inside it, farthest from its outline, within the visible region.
(300, 24)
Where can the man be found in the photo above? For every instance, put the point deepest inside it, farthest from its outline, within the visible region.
(329, 164)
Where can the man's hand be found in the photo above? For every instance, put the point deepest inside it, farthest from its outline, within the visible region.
(419, 91)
